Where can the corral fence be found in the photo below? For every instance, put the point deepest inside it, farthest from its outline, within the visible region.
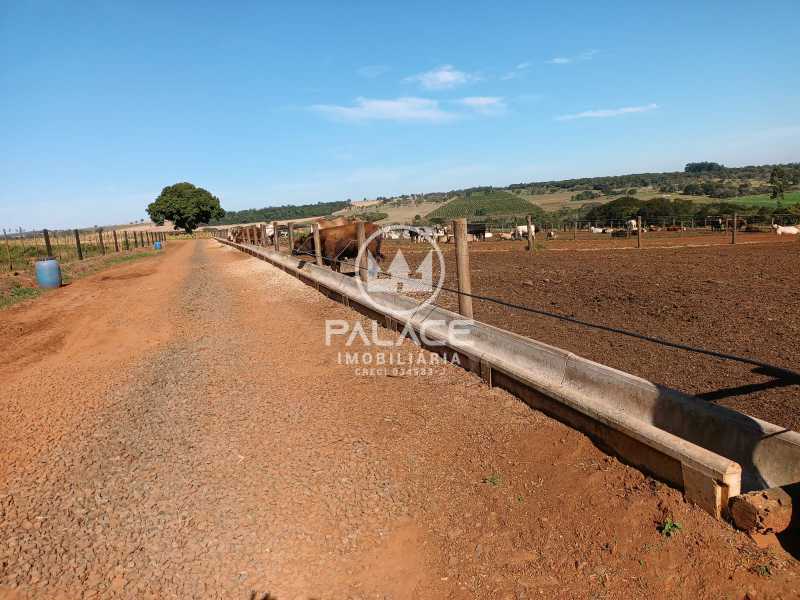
(680, 223)
(272, 236)
(21, 249)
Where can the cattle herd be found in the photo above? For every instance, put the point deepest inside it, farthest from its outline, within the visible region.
(338, 236)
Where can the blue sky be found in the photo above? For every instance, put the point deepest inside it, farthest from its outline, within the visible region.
(264, 103)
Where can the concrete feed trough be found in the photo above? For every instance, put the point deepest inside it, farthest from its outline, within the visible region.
(711, 452)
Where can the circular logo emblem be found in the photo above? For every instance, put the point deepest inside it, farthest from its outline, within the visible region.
(394, 274)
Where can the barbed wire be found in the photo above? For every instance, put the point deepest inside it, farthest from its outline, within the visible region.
(780, 372)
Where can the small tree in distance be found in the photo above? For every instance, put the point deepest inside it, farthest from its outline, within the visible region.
(778, 182)
(186, 206)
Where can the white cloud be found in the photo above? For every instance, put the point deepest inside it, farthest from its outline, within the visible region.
(609, 112)
(484, 105)
(523, 65)
(442, 78)
(565, 60)
(398, 109)
(373, 71)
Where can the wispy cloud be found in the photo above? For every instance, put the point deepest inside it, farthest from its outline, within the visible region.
(373, 71)
(412, 108)
(565, 60)
(398, 109)
(609, 112)
(484, 105)
(518, 70)
(442, 78)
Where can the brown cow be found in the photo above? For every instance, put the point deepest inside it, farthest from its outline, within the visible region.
(335, 222)
(339, 244)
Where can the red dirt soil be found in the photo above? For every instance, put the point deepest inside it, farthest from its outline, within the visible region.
(740, 300)
(231, 455)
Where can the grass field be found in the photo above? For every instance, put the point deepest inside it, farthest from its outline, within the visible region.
(790, 199)
(495, 202)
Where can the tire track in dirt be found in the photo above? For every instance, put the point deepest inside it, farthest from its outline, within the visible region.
(60, 354)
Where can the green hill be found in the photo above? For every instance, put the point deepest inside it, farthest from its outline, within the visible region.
(485, 203)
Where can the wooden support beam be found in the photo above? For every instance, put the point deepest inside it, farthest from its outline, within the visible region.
(462, 267)
(317, 244)
(362, 252)
(531, 234)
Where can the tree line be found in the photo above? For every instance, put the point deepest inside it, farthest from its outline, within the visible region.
(628, 207)
(697, 179)
(280, 213)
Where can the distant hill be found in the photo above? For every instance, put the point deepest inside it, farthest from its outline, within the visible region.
(483, 203)
(280, 213)
(724, 189)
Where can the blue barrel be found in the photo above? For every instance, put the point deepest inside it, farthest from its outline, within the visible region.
(157, 246)
(48, 273)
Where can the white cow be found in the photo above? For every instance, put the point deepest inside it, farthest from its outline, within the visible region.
(520, 232)
(596, 230)
(789, 230)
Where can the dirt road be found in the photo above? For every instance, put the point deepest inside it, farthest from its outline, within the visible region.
(177, 428)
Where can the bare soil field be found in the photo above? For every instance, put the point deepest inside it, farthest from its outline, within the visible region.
(199, 440)
(740, 300)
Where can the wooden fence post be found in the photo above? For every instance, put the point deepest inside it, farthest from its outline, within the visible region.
(361, 238)
(575, 231)
(462, 266)
(733, 230)
(531, 234)
(116, 242)
(263, 234)
(127, 242)
(639, 231)
(48, 249)
(317, 245)
(275, 240)
(78, 244)
(290, 225)
(101, 242)
(8, 252)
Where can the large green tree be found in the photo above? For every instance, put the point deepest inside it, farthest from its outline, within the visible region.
(185, 205)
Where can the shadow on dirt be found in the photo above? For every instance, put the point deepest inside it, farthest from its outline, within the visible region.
(780, 378)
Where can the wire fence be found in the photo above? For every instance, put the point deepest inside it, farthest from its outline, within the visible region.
(21, 249)
(690, 224)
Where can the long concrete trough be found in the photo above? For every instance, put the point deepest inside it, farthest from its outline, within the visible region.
(711, 452)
